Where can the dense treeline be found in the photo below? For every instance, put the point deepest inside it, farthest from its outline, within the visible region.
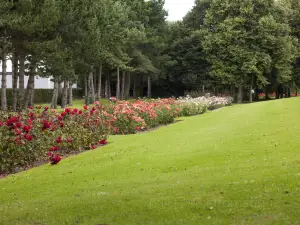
(95, 43)
(125, 48)
(238, 47)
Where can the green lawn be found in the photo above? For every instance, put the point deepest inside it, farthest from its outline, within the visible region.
(77, 103)
(238, 165)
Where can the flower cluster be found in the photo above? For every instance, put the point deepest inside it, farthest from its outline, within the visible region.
(41, 134)
(194, 106)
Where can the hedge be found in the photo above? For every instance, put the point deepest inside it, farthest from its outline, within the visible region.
(42, 95)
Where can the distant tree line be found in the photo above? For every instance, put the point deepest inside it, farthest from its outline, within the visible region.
(126, 48)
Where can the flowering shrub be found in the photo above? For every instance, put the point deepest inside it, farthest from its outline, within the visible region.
(194, 106)
(41, 134)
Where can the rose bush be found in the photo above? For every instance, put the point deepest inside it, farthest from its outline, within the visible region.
(194, 106)
(41, 134)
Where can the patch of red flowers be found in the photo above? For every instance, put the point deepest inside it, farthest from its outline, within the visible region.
(59, 140)
(54, 159)
(103, 142)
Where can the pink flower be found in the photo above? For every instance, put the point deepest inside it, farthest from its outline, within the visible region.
(69, 140)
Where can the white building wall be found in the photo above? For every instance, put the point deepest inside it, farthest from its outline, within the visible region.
(39, 82)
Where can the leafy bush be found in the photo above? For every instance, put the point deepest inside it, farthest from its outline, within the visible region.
(194, 106)
(41, 134)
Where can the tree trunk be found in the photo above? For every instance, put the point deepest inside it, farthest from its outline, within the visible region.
(21, 80)
(54, 96)
(109, 86)
(64, 99)
(127, 87)
(3, 85)
(267, 93)
(60, 93)
(149, 87)
(70, 94)
(134, 86)
(240, 94)
(15, 81)
(123, 85)
(118, 84)
(86, 92)
(250, 93)
(99, 89)
(31, 100)
(91, 86)
(30, 86)
(106, 87)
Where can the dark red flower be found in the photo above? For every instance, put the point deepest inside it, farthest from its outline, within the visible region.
(28, 137)
(103, 142)
(26, 129)
(63, 114)
(50, 154)
(137, 128)
(68, 140)
(54, 148)
(85, 107)
(60, 118)
(46, 125)
(46, 108)
(55, 159)
(18, 124)
(61, 124)
(93, 146)
(17, 132)
(75, 110)
(59, 140)
(79, 112)
(31, 115)
(53, 128)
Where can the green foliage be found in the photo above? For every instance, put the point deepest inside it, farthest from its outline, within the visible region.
(44, 95)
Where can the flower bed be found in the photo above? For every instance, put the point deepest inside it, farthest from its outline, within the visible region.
(42, 134)
(195, 106)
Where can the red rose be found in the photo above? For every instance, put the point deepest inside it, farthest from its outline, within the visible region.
(28, 137)
(103, 142)
(85, 107)
(46, 124)
(60, 118)
(54, 148)
(26, 129)
(18, 125)
(80, 112)
(55, 159)
(69, 140)
(59, 140)
(61, 124)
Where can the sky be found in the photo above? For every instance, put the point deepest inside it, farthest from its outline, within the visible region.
(178, 8)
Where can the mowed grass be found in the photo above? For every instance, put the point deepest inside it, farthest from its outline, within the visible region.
(77, 103)
(238, 165)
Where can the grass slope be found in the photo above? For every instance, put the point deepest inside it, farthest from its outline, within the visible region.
(238, 165)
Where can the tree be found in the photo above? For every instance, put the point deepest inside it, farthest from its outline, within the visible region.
(238, 37)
